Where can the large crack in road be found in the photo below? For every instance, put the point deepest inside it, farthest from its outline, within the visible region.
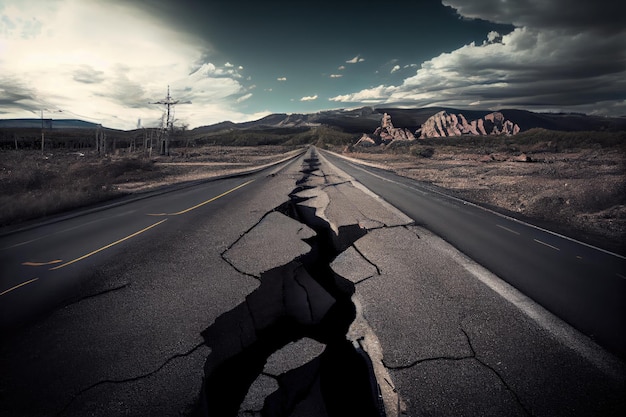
(298, 300)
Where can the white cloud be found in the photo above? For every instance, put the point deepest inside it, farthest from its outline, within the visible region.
(309, 98)
(372, 95)
(551, 61)
(355, 60)
(395, 68)
(54, 54)
(341, 67)
(336, 75)
(244, 98)
(493, 37)
(281, 79)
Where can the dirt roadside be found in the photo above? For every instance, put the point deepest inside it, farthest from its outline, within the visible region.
(578, 192)
(35, 185)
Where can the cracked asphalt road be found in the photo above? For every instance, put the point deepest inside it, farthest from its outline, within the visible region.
(300, 294)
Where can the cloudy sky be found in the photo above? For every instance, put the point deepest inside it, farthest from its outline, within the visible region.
(106, 60)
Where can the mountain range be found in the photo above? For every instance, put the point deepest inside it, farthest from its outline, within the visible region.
(47, 123)
(368, 119)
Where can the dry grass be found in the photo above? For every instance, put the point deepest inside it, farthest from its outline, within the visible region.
(578, 189)
(33, 185)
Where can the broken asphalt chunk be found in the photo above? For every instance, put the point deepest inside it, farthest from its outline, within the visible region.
(252, 255)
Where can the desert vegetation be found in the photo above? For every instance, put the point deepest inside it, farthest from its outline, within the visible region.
(571, 182)
(80, 167)
(34, 185)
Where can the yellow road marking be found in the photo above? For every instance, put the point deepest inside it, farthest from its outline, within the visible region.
(108, 246)
(203, 203)
(56, 261)
(17, 286)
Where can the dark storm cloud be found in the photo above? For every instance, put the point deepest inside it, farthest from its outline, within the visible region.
(561, 54)
(606, 16)
(14, 95)
(127, 92)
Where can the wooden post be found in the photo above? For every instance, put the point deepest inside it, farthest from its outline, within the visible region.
(98, 141)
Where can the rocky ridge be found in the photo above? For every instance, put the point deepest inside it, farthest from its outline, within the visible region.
(441, 124)
(444, 124)
(385, 133)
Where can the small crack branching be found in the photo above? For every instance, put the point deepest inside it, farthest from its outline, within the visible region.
(365, 279)
(424, 360)
(385, 226)
(223, 256)
(132, 379)
(367, 260)
(98, 294)
(406, 226)
(497, 374)
(241, 236)
(471, 356)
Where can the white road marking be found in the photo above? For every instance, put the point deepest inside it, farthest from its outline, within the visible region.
(479, 207)
(508, 230)
(546, 244)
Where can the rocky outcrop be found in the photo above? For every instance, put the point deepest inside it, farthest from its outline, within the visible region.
(385, 133)
(444, 124)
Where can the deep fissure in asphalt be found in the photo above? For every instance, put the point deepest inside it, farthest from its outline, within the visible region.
(303, 298)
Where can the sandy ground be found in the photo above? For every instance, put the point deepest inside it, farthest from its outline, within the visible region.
(581, 192)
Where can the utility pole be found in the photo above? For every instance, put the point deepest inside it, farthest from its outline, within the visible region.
(42, 134)
(42, 138)
(169, 104)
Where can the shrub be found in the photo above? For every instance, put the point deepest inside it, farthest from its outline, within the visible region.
(423, 152)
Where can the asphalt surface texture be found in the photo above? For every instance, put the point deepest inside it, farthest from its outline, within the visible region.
(294, 291)
(584, 285)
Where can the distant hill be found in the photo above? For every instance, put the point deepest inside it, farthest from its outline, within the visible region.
(47, 123)
(367, 119)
